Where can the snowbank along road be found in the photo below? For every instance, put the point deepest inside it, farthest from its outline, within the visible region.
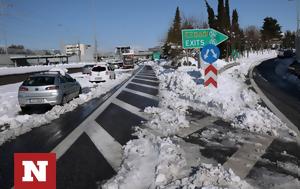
(88, 141)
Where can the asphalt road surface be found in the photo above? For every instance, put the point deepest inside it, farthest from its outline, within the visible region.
(88, 141)
(281, 87)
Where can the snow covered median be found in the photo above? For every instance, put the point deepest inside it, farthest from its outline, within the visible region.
(232, 101)
(153, 161)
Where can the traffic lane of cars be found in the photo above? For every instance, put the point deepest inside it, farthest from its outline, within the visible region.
(56, 87)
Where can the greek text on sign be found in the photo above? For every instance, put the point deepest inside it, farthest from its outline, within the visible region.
(198, 38)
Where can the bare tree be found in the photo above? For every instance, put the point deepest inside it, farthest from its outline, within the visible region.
(252, 38)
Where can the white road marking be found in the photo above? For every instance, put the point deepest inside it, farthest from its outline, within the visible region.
(147, 80)
(64, 145)
(130, 108)
(243, 160)
(144, 85)
(147, 75)
(106, 144)
(196, 126)
(142, 94)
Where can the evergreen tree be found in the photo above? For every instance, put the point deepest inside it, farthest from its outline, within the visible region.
(176, 29)
(221, 16)
(212, 22)
(174, 40)
(289, 40)
(235, 28)
(270, 29)
(227, 12)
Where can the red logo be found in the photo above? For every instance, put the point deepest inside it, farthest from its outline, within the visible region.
(34, 171)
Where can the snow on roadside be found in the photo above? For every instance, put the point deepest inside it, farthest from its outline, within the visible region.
(232, 100)
(38, 68)
(20, 124)
(154, 162)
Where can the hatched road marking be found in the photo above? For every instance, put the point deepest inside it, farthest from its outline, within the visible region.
(142, 94)
(243, 160)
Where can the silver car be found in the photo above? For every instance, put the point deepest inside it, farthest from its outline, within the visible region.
(51, 88)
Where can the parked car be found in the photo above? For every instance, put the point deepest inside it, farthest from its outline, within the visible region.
(102, 73)
(87, 69)
(53, 88)
(285, 53)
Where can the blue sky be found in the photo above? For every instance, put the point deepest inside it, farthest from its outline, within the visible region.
(45, 24)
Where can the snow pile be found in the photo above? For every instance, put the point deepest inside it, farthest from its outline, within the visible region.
(154, 162)
(188, 61)
(170, 116)
(20, 124)
(232, 100)
(210, 177)
(39, 68)
(149, 162)
(62, 71)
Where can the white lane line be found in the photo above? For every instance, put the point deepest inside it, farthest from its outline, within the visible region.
(64, 145)
(130, 108)
(147, 80)
(196, 125)
(106, 144)
(144, 85)
(142, 94)
(243, 160)
(147, 77)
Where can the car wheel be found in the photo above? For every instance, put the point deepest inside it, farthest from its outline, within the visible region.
(24, 109)
(80, 90)
(64, 100)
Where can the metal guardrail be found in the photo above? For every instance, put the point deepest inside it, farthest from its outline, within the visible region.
(227, 66)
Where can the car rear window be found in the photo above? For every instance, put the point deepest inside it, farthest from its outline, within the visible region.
(39, 81)
(99, 69)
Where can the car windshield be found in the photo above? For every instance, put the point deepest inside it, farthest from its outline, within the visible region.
(39, 81)
(99, 69)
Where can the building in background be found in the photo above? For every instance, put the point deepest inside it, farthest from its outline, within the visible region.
(80, 52)
(76, 49)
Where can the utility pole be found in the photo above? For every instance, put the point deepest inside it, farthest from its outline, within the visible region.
(4, 5)
(95, 32)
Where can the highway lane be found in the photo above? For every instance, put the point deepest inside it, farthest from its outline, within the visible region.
(88, 141)
(281, 87)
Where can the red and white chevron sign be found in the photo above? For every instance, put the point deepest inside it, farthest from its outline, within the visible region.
(210, 75)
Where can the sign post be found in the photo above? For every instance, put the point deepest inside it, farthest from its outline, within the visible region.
(210, 54)
(207, 40)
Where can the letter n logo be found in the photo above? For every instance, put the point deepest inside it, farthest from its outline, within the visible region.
(34, 171)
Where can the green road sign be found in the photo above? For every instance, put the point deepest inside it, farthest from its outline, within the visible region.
(156, 56)
(198, 38)
(235, 54)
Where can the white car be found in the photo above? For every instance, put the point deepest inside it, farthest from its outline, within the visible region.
(101, 73)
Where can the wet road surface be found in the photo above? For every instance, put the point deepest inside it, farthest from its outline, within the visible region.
(95, 153)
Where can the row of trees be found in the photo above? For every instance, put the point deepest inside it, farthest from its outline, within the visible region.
(250, 38)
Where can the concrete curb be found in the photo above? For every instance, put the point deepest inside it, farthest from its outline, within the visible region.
(227, 66)
(270, 105)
